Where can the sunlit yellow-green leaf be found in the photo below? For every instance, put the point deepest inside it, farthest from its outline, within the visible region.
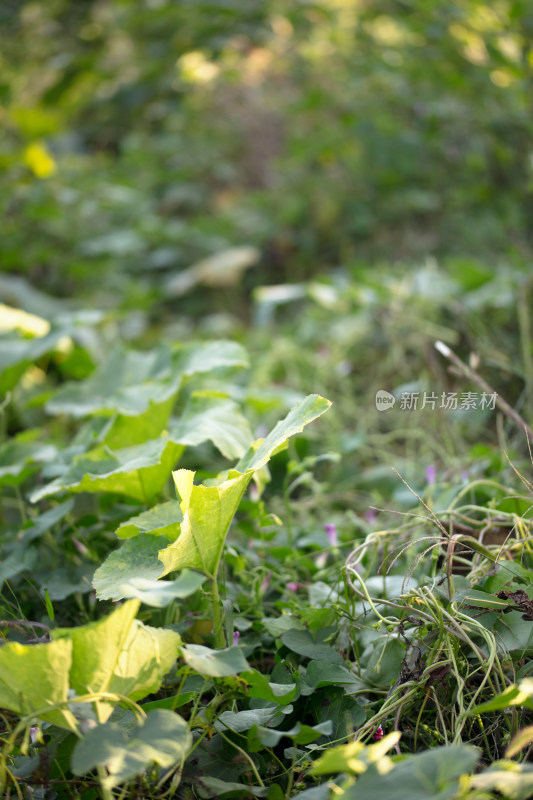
(118, 654)
(207, 514)
(209, 510)
(34, 678)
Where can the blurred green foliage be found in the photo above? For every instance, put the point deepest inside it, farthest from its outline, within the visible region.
(141, 137)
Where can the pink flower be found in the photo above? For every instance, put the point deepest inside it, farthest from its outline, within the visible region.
(331, 531)
(431, 474)
(370, 514)
(236, 636)
(293, 587)
(378, 734)
(35, 734)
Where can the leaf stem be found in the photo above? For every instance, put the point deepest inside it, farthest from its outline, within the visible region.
(246, 756)
(143, 488)
(217, 615)
(106, 793)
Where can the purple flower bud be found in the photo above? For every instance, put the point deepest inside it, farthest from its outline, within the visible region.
(370, 514)
(378, 734)
(236, 636)
(80, 547)
(431, 474)
(35, 734)
(293, 587)
(331, 531)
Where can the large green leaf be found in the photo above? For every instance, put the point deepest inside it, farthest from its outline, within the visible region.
(514, 633)
(199, 357)
(139, 472)
(209, 510)
(433, 775)
(162, 738)
(137, 558)
(240, 721)
(325, 673)
(298, 417)
(207, 515)
(35, 677)
(148, 656)
(133, 570)
(161, 593)
(119, 654)
(160, 520)
(384, 661)
(344, 713)
(259, 736)
(302, 642)
(276, 626)
(207, 416)
(103, 391)
(214, 417)
(259, 686)
(215, 663)
(129, 380)
(97, 648)
(126, 430)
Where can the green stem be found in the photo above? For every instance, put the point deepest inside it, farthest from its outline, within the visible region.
(217, 615)
(245, 755)
(290, 781)
(180, 687)
(143, 489)
(3, 424)
(102, 775)
(288, 516)
(20, 503)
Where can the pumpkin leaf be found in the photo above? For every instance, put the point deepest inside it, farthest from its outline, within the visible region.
(162, 738)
